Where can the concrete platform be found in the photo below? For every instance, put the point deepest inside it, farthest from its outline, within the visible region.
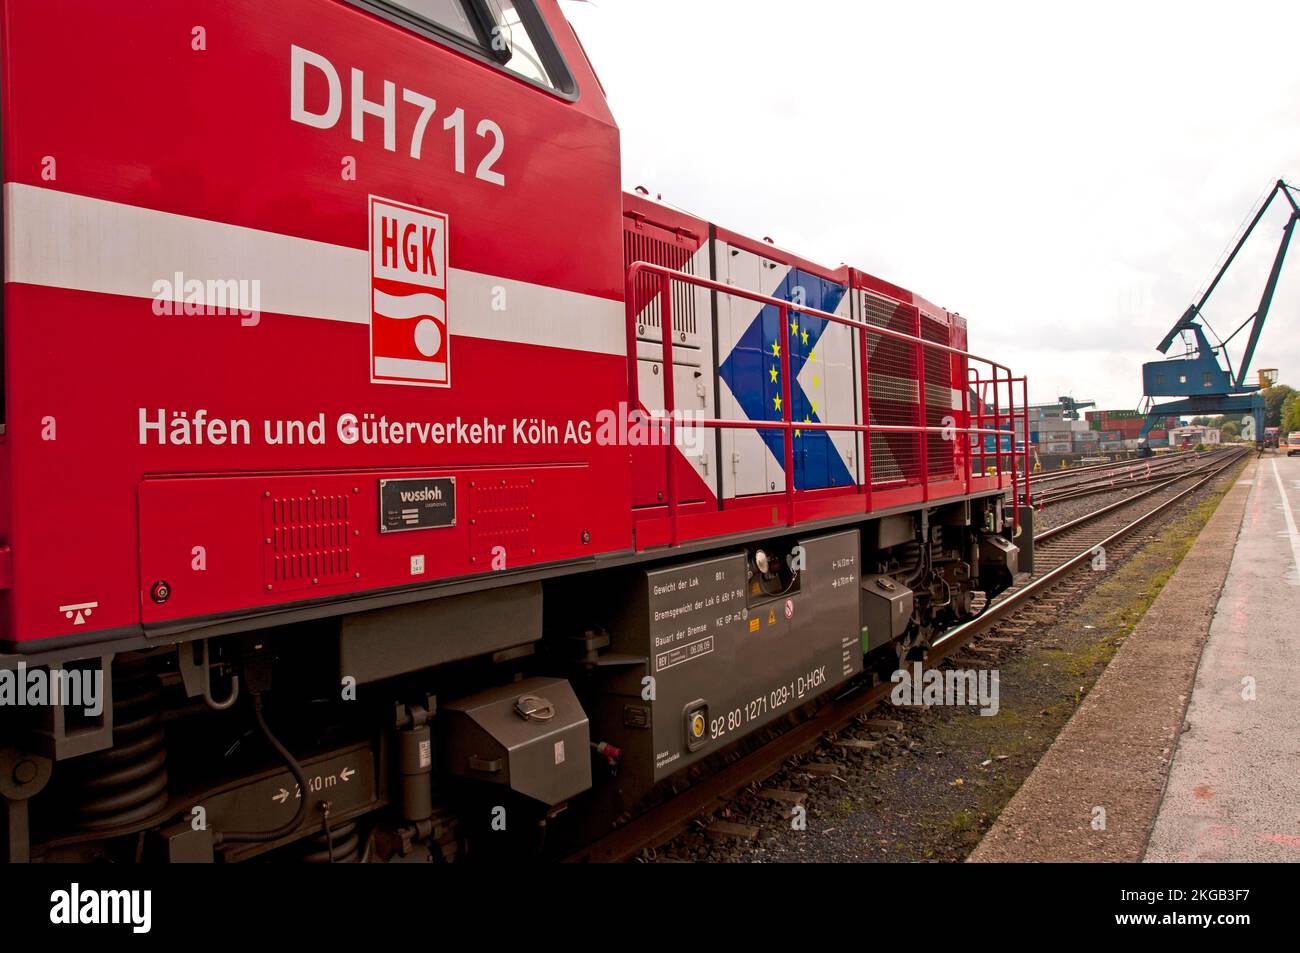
(1096, 793)
(1234, 789)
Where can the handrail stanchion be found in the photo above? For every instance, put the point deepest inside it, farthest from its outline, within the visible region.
(1015, 494)
(922, 412)
(997, 425)
(967, 462)
(670, 401)
(1024, 393)
(633, 392)
(864, 382)
(787, 415)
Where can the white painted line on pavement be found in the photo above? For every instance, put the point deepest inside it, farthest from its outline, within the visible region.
(1290, 517)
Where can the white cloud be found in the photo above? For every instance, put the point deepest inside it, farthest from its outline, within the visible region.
(1063, 176)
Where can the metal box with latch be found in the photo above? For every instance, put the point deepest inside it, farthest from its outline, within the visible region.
(530, 736)
(886, 610)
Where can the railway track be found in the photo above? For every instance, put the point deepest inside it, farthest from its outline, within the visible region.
(1050, 489)
(1058, 551)
(1116, 479)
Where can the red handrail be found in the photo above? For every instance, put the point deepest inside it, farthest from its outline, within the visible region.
(923, 410)
(667, 276)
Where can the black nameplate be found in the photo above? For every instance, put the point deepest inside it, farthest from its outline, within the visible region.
(416, 504)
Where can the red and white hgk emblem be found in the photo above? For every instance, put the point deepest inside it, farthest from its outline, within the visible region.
(409, 338)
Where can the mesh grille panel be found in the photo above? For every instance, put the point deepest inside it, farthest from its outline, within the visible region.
(938, 398)
(892, 390)
(638, 246)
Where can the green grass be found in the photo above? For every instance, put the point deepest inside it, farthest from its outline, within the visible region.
(961, 822)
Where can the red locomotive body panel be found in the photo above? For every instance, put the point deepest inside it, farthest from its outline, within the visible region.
(429, 329)
(118, 186)
(665, 236)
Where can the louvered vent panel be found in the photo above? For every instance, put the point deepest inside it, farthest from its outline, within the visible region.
(307, 541)
(938, 398)
(501, 521)
(893, 391)
(638, 246)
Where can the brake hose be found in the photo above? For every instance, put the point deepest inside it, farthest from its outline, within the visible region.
(253, 837)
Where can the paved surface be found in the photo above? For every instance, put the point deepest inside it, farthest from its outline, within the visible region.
(1234, 790)
(1096, 793)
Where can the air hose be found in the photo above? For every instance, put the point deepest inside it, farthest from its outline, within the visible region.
(255, 837)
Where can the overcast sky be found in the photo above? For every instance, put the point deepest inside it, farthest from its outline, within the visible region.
(1065, 176)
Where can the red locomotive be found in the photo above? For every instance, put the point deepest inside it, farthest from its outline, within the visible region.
(348, 507)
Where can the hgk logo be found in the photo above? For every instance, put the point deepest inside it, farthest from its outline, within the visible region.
(409, 339)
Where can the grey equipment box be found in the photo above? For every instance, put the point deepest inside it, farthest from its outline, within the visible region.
(886, 610)
(722, 649)
(530, 736)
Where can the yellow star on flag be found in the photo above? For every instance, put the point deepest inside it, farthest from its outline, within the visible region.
(794, 328)
(776, 349)
(777, 402)
(805, 339)
(814, 408)
(812, 355)
(772, 371)
(816, 381)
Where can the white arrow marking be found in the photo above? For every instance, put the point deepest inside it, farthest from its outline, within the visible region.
(281, 797)
(346, 773)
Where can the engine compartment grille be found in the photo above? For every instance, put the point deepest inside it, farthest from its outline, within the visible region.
(307, 540)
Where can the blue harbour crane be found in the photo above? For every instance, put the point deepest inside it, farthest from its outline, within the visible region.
(1201, 384)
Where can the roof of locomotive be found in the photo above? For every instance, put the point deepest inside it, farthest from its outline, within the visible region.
(657, 212)
(770, 250)
(644, 208)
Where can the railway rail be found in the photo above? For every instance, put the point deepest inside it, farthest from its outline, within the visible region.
(1102, 470)
(1058, 486)
(1095, 470)
(1058, 551)
(1120, 478)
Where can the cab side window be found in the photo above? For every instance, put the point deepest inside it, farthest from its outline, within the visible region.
(509, 33)
(525, 60)
(445, 13)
